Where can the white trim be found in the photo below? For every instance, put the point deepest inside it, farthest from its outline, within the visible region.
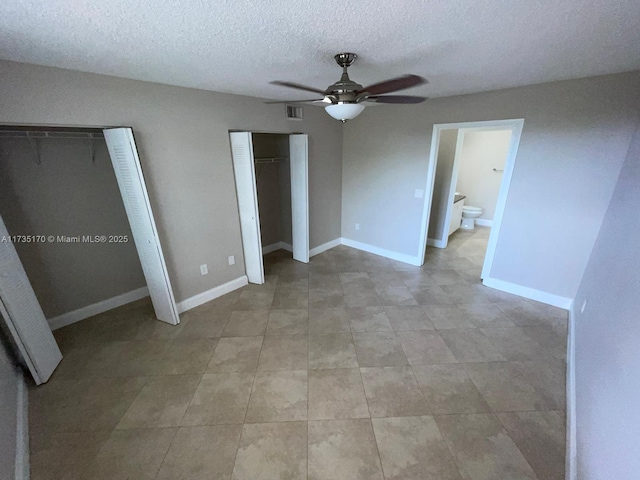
(96, 308)
(434, 242)
(22, 430)
(572, 442)
(452, 187)
(277, 246)
(484, 222)
(325, 246)
(530, 293)
(401, 257)
(208, 295)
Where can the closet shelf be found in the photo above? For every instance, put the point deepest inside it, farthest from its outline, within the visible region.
(270, 159)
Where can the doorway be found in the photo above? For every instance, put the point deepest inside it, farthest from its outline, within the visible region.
(271, 174)
(494, 152)
(120, 222)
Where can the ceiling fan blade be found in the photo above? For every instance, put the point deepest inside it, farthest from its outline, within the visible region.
(297, 101)
(405, 99)
(297, 86)
(394, 84)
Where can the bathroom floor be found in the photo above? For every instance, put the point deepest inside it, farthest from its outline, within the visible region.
(351, 367)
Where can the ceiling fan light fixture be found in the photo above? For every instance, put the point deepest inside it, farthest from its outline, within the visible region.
(344, 111)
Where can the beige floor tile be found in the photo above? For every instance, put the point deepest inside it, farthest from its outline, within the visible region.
(278, 397)
(470, 345)
(508, 387)
(430, 295)
(200, 453)
(361, 298)
(336, 394)
(395, 295)
(343, 449)
(271, 451)
(393, 392)
(219, 399)
(161, 403)
(203, 323)
(249, 323)
(425, 347)
(154, 329)
(63, 456)
(291, 297)
(379, 349)
(514, 343)
(288, 322)
(129, 454)
(411, 448)
(369, 319)
(540, 436)
(416, 279)
(525, 313)
(448, 316)
(408, 318)
(81, 405)
(447, 277)
(482, 448)
(284, 352)
(448, 389)
(187, 356)
(333, 350)
(128, 358)
(329, 320)
(467, 294)
(486, 315)
(236, 354)
(326, 295)
(256, 299)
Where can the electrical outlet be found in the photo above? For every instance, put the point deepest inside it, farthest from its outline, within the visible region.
(204, 269)
(232, 260)
(419, 193)
(357, 226)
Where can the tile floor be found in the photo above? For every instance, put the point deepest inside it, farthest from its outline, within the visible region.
(351, 367)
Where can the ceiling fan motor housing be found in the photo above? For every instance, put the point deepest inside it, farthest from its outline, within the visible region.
(344, 90)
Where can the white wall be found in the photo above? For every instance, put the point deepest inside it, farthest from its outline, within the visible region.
(482, 152)
(576, 134)
(67, 194)
(442, 184)
(607, 339)
(183, 138)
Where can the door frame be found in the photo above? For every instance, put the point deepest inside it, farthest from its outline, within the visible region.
(515, 125)
(305, 189)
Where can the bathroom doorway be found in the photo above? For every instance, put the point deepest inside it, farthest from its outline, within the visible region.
(470, 164)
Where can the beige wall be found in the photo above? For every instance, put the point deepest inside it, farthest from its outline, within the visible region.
(68, 194)
(183, 138)
(482, 152)
(442, 184)
(575, 137)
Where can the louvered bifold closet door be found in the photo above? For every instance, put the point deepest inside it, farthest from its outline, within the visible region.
(299, 163)
(23, 316)
(126, 164)
(245, 175)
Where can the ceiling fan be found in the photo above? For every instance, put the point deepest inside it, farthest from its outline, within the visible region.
(344, 98)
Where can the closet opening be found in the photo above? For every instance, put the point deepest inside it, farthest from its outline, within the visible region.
(271, 174)
(77, 235)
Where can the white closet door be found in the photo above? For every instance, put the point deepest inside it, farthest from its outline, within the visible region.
(23, 316)
(244, 169)
(299, 161)
(126, 164)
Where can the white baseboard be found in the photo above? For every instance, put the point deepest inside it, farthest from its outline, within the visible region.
(96, 308)
(484, 222)
(432, 242)
(22, 431)
(401, 257)
(277, 246)
(207, 296)
(571, 463)
(530, 293)
(324, 247)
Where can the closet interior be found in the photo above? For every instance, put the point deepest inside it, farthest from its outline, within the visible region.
(273, 185)
(59, 197)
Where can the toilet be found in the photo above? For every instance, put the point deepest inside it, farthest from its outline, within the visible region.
(469, 214)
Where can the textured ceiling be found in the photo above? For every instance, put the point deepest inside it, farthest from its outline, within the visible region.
(238, 46)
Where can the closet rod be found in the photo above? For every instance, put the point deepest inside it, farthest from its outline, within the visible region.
(33, 137)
